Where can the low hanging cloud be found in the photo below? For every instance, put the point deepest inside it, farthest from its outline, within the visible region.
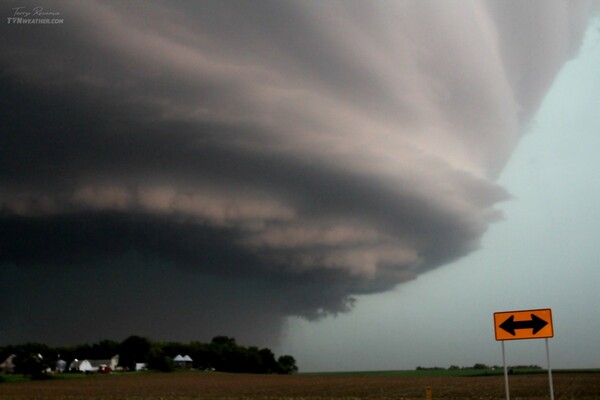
(187, 169)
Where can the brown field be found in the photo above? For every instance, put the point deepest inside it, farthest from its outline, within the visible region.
(180, 386)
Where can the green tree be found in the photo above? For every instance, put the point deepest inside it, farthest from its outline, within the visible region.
(253, 361)
(104, 349)
(35, 366)
(134, 349)
(267, 359)
(226, 355)
(287, 364)
(158, 359)
(224, 341)
(33, 359)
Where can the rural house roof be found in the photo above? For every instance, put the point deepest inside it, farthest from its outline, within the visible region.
(185, 358)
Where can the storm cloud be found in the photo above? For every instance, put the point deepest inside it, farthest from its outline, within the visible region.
(187, 169)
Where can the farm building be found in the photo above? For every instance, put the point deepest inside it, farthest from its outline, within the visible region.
(61, 366)
(141, 366)
(94, 365)
(7, 367)
(80, 366)
(182, 362)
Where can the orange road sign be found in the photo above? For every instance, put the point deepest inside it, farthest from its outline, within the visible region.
(524, 324)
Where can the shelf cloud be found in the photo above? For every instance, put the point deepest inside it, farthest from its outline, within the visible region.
(187, 169)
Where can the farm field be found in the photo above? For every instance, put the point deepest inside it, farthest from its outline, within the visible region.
(196, 385)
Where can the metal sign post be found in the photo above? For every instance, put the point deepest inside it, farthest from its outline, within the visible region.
(549, 370)
(505, 372)
(526, 324)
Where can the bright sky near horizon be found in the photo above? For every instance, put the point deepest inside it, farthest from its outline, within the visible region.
(250, 169)
(544, 254)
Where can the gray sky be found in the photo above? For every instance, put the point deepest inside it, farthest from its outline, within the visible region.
(192, 169)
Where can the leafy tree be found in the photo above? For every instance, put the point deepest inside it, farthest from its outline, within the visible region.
(158, 360)
(269, 364)
(224, 341)
(254, 361)
(224, 354)
(34, 366)
(287, 364)
(32, 359)
(134, 349)
(201, 354)
(104, 349)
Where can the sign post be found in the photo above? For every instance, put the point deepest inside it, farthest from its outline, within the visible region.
(505, 373)
(525, 324)
(549, 370)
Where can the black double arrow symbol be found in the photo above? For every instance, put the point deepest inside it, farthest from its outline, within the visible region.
(535, 323)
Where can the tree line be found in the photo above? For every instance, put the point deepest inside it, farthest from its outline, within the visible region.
(221, 354)
(476, 366)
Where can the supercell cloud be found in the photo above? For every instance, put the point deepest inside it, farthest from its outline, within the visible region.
(187, 169)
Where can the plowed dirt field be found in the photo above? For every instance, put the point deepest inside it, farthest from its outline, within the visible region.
(183, 386)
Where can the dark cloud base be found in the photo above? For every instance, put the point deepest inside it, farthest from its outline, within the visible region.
(86, 277)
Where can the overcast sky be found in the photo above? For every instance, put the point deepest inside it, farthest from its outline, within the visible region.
(182, 170)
